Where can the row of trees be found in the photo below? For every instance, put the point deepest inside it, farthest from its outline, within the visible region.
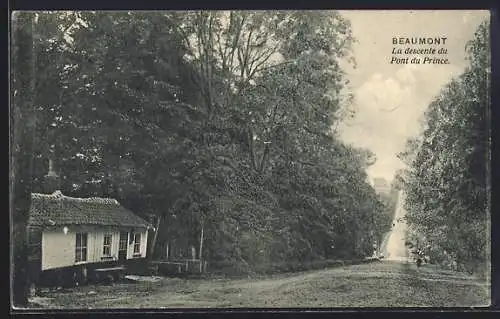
(446, 183)
(220, 123)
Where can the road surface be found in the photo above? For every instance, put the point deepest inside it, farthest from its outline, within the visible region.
(393, 247)
(378, 284)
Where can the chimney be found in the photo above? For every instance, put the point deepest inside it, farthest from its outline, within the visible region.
(51, 181)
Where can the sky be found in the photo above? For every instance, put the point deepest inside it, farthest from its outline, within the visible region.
(379, 86)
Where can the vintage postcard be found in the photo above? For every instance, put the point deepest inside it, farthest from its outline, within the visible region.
(250, 159)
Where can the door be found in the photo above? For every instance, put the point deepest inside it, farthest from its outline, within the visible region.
(122, 248)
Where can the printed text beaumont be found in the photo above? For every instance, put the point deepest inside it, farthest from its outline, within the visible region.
(417, 40)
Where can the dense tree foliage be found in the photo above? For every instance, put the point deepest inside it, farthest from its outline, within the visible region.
(446, 183)
(220, 123)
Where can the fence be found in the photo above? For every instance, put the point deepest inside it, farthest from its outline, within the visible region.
(176, 267)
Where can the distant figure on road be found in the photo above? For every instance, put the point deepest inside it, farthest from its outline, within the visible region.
(420, 257)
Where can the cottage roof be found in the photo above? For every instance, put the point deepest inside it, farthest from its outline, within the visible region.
(58, 209)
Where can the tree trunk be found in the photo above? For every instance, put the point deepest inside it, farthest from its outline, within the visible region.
(201, 248)
(155, 237)
(22, 142)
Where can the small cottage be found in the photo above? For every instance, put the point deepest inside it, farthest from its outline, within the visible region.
(78, 238)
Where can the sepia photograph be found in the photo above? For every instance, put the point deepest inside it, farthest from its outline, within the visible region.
(249, 159)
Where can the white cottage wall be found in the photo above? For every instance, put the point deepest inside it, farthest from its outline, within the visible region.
(58, 248)
(144, 243)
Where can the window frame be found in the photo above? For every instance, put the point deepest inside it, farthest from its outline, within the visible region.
(137, 244)
(79, 250)
(107, 245)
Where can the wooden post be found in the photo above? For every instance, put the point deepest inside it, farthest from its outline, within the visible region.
(33, 290)
(193, 252)
(201, 246)
(84, 274)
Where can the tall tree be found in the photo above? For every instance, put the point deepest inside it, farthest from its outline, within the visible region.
(446, 182)
(22, 123)
(218, 122)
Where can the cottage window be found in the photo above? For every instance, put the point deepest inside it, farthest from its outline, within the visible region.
(81, 247)
(137, 244)
(123, 241)
(106, 248)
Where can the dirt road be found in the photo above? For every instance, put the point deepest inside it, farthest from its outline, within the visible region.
(379, 284)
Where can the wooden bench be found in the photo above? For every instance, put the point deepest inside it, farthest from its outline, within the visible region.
(114, 272)
(180, 265)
